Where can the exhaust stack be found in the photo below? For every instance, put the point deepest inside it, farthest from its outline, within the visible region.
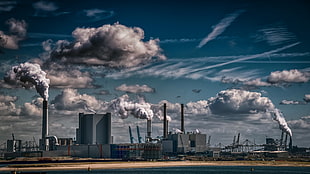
(149, 128)
(165, 122)
(45, 141)
(182, 118)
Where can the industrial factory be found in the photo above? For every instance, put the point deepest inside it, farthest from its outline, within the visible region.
(94, 140)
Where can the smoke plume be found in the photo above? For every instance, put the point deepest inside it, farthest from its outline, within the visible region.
(28, 74)
(124, 107)
(278, 116)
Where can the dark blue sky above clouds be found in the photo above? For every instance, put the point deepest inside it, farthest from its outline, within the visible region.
(232, 63)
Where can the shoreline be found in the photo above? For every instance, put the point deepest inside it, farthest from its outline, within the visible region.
(142, 164)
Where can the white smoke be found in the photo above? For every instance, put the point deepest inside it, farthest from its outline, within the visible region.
(235, 101)
(278, 116)
(29, 74)
(123, 107)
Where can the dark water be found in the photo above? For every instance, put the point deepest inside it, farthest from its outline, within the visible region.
(197, 170)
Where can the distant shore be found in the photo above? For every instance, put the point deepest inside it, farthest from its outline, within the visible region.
(142, 164)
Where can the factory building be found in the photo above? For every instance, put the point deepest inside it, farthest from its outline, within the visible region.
(94, 129)
(180, 143)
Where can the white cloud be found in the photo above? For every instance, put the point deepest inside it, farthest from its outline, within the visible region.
(34, 108)
(6, 6)
(302, 123)
(236, 101)
(7, 105)
(291, 76)
(135, 88)
(307, 98)
(256, 82)
(45, 6)
(69, 78)
(275, 35)
(220, 27)
(71, 100)
(115, 46)
(17, 32)
(291, 102)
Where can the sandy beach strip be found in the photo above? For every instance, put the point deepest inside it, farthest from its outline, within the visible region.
(124, 165)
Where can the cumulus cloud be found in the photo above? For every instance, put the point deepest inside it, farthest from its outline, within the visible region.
(135, 88)
(291, 102)
(71, 100)
(74, 78)
(34, 108)
(302, 123)
(220, 27)
(307, 98)
(291, 76)
(17, 32)
(114, 46)
(235, 101)
(7, 105)
(276, 78)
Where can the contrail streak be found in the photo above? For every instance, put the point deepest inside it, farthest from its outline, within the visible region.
(220, 27)
(246, 58)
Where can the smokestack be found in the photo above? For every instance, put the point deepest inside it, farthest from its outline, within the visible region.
(285, 141)
(290, 146)
(165, 122)
(182, 118)
(281, 140)
(149, 128)
(130, 134)
(45, 126)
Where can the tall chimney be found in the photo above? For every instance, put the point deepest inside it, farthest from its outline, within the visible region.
(45, 126)
(165, 122)
(290, 146)
(182, 118)
(149, 128)
(285, 141)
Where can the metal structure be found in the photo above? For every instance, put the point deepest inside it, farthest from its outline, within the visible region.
(165, 133)
(130, 135)
(44, 142)
(94, 129)
(139, 136)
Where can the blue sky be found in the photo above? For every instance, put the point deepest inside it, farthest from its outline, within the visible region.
(232, 63)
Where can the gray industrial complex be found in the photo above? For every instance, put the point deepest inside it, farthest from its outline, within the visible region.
(94, 140)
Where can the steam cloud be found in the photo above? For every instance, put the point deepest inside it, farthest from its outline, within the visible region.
(29, 74)
(114, 46)
(278, 116)
(124, 107)
(245, 102)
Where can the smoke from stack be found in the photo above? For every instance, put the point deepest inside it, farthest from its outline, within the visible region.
(124, 107)
(29, 74)
(278, 116)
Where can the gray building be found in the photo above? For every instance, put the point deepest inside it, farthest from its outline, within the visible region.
(184, 143)
(94, 129)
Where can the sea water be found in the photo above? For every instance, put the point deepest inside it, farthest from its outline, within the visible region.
(195, 170)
